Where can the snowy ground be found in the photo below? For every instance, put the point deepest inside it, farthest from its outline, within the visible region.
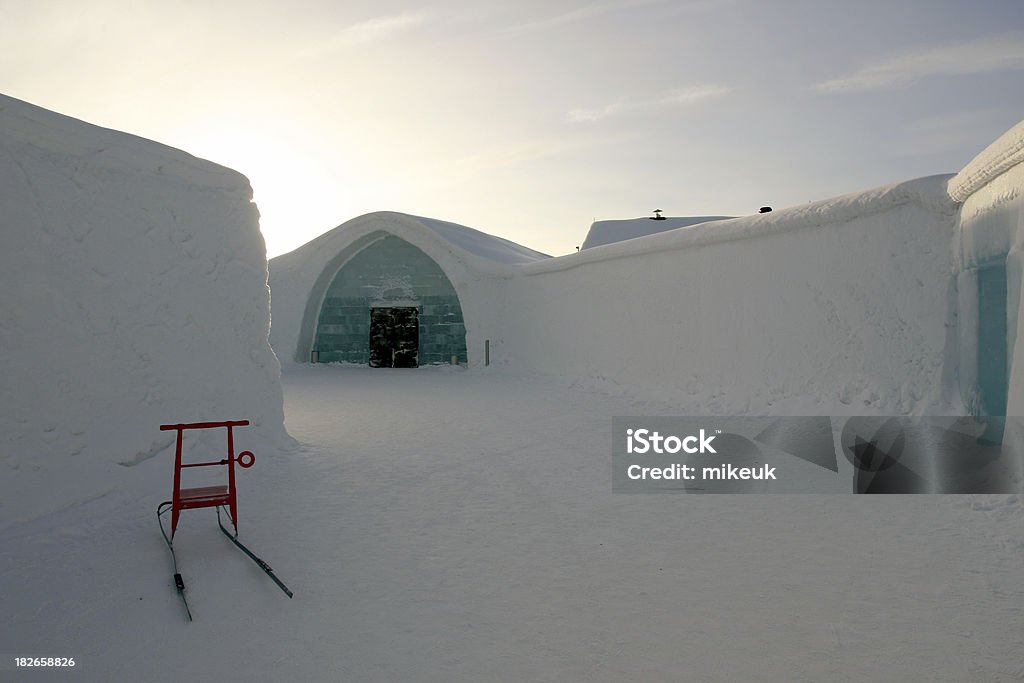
(444, 525)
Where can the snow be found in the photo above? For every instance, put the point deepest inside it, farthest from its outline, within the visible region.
(838, 307)
(989, 188)
(991, 232)
(449, 524)
(445, 525)
(475, 263)
(928, 193)
(481, 244)
(1003, 154)
(132, 293)
(852, 300)
(607, 232)
(470, 242)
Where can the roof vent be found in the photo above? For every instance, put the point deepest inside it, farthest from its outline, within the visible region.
(657, 216)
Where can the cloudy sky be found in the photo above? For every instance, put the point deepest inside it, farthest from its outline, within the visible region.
(529, 119)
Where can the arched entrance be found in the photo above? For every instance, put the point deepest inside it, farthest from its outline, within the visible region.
(390, 305)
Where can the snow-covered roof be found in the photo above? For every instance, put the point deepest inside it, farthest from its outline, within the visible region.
(487, 251)
(608, 232)
(480, 243)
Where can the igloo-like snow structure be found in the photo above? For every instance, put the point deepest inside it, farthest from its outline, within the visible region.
(439, 278)
(133, 292)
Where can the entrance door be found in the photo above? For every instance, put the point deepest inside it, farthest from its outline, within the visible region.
(394, 337)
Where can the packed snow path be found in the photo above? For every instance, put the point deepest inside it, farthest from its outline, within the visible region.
(443, 525)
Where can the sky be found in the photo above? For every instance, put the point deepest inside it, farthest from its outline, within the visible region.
(530, 119)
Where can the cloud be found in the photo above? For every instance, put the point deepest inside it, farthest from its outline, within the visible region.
(999, 52)
(680, 97)
(587, 11)
(369, 31)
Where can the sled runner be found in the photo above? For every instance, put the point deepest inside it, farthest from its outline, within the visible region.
(219, 497)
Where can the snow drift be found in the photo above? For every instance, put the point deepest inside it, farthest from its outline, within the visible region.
(132, 292)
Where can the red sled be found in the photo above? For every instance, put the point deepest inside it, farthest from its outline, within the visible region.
(221, 496)
(207, 496)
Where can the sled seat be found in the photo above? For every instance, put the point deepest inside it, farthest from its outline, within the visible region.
(204, 496)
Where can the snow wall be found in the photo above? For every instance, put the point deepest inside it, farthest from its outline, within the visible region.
(990, 262)
(133, 292)
(842, 306)
(903, 299)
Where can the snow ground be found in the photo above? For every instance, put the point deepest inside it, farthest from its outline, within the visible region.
(448, 525)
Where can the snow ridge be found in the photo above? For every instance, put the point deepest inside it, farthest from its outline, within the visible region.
(1002, 155)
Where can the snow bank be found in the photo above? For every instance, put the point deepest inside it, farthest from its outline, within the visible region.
(132, 293)
(842, 306)
(607, 232)
(991, 236)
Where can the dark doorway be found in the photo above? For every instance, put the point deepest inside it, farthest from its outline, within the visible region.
(394, 337)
